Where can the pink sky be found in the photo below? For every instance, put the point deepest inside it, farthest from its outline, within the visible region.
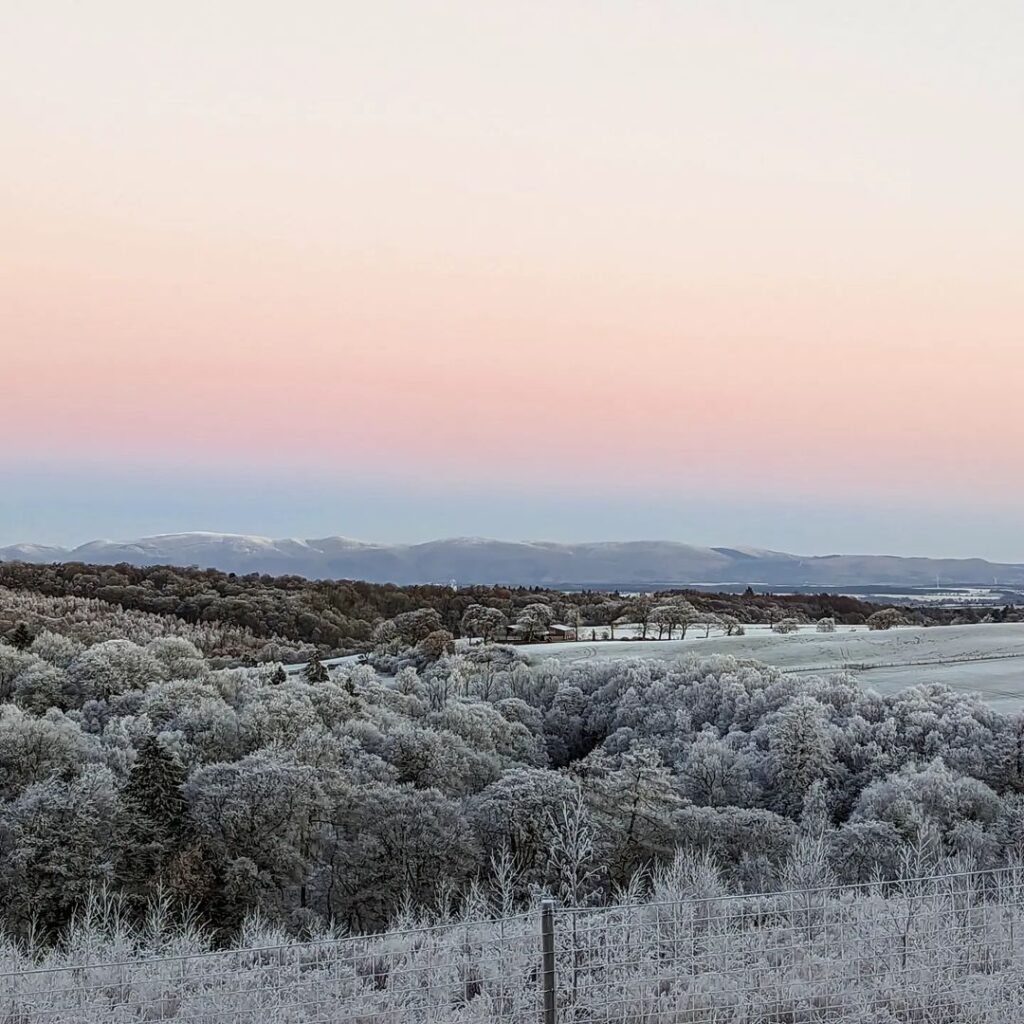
(763, 247)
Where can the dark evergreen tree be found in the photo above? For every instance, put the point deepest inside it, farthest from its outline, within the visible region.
(279, 676)
(20, 637)
(155, 801)
(316, 671)
(154, 786)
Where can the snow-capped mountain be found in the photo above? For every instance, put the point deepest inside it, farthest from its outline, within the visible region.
(479, 560)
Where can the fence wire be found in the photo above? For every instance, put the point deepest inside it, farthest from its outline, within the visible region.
(943, 950)
(479, 971)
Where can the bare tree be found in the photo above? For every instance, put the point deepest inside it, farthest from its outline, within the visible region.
(641, 608)
(608, 613)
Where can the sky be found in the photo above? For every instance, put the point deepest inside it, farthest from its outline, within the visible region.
(722, 272)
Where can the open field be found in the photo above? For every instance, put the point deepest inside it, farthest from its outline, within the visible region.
(988, 659)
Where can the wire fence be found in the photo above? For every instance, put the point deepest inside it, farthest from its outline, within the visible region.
(937, 950)
(942, 950)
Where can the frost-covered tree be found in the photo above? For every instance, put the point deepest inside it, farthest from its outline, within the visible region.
(816, 813)
(575, 866)
(861, 850)
(385, 845)
(800, 744)
(436, 645)
(40, 687)
(32, 749)
(12, 663)
(111, 668)
(909, 798)
(640, 609)
(635, 801)
(887, 618)
(386, 639)
(566, 726)
(254, 818)
(57, 844)
(179, 658)
(515, 812)
(713, 774)
(786, 625)
(533, 621)
(732, 626)
(608, 613)
(673, 615)
(412, 627)
(709, 621)
(486, 623)
(58, 650)
(441, 760)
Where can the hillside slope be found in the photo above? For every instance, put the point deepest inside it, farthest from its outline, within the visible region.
(478, 560)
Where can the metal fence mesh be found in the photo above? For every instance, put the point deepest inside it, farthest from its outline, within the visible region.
(932, 950)
(943, 950)
(475, 971)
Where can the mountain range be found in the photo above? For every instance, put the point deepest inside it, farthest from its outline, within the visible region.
(468, 560)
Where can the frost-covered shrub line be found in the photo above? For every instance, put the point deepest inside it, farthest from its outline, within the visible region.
(941, 950)
(65, 625)
(291, 947)
(341, 616)
(385, 976)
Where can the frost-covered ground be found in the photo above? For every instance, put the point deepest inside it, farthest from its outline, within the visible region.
(941, 950)
(987, 659)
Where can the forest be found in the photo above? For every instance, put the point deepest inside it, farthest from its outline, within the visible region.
(288, 618)
(135, 765)
(383, 829)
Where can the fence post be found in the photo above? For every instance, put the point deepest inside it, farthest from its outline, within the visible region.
(547, 947)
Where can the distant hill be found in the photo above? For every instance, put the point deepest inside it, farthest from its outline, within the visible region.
(476, 560)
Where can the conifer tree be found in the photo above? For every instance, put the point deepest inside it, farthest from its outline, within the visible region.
(154, 786)
(20, 637)
(316, 671)
(801, 752)
(155, 801)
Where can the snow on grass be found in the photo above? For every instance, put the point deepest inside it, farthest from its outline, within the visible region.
(942, 950)
(987, 659)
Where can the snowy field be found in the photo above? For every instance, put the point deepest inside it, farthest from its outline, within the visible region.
(987, 659)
